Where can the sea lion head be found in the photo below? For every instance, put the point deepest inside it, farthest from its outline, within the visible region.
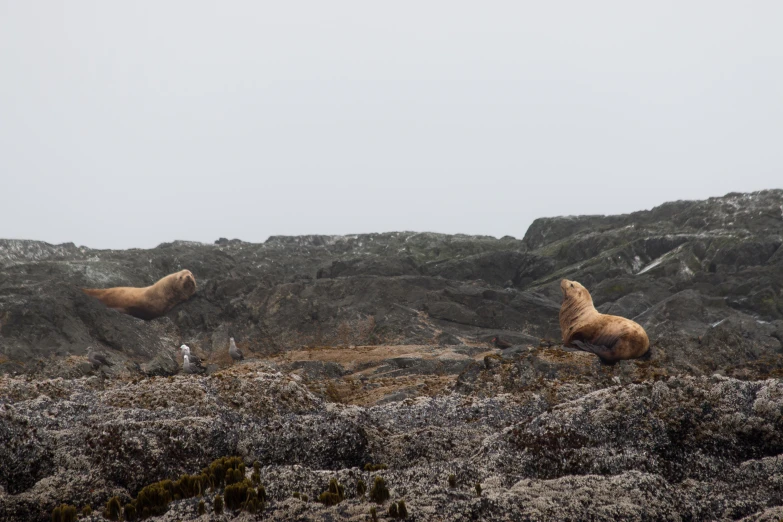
(574, 291)
(186, 283)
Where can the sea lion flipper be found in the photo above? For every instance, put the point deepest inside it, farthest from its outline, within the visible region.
(603, 352)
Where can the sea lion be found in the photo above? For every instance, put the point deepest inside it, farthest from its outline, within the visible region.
(610, 337)
(149, 302)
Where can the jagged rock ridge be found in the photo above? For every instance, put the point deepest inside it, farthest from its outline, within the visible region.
(374, 348)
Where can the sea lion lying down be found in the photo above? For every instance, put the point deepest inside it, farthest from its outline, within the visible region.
(149, 302)
(610, 337)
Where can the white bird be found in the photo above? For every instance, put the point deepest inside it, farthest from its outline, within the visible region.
(234, 351)
(187, 366)
(194, 363)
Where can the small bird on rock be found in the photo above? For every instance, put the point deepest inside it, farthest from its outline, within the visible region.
(97, 359)
(234, 351)
(195, 362)
(500, 343)
(187, 365)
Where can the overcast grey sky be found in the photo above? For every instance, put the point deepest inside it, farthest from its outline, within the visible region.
(126, 124)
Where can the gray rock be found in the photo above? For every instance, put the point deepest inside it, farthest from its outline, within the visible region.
(403, 374)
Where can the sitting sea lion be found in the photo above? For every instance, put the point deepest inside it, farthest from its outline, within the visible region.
(149, 302)
(610, 337)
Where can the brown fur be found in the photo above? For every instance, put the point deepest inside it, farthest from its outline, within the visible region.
(619, 338)
(149, 302)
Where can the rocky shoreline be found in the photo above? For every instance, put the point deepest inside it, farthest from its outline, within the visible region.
(375, 349)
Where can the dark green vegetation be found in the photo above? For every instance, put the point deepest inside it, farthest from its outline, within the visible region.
(398, 510)
(478, 489)
(333, 495)
(375, 467)
(225, 471)
(379, 493)
(361, 488)
(130, 512)
(64, 513)
(452, 481)
(154, 499)
(113, 509)
(242, 495)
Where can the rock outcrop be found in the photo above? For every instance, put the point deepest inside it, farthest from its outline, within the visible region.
(376, 349)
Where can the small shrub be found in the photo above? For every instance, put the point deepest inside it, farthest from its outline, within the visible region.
(234, 476)
(305, 498)
(334, 495)
(189, 486)
(236, 494)
(398, 510)
(153, 500)
(64, 513)
(218, 505)
(255, 478)
(296, 494)
(68, 513)
(261, 493)
(256, 466)
(130, 512)
(218, 470)
(375, 467)
(373, 514)
(379, 493)
(87, 511)
(452, 481)
(361, 488)
(251, 504)
(113, 509)
(202, 507)
(478, 489)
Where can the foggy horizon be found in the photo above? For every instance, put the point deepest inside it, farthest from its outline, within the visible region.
(132, 125)
(348, 234)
